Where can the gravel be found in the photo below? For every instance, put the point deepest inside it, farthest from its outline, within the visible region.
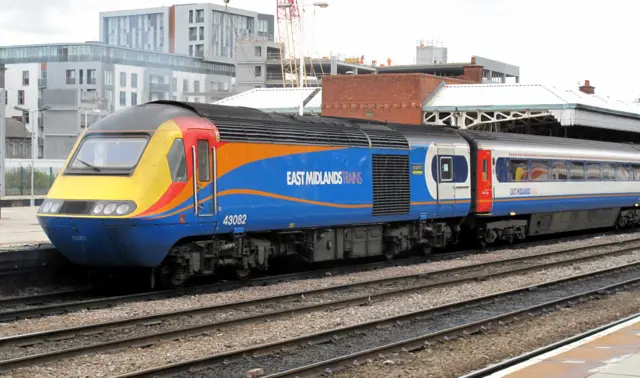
(128, 310)
(461, 356)
(291, 303)
(365, 339)
(226, 339)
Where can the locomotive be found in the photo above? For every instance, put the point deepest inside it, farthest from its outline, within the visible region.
(189, 188)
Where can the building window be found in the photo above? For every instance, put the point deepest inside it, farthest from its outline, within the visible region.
(258, 50)
(123, 79)
(20, 97)
(185, 85)
(134, 98)
(258, 71)
(123, 98)
(190, 50)
(108, 77)
(91, 77)
(71, 77)
(191, 17)
(80, 76)
(134, 80)
(193, 34)
(201, 30)
(25, 78)
(200, 51)
(174, 84)
(200, 15)
(27, 119)
(196, 86)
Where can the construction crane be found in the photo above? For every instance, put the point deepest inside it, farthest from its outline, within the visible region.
(288, 26)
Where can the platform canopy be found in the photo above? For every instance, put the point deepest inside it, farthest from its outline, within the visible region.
(278, 100)
(501, 107)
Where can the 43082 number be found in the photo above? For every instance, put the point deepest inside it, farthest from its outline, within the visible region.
(231, 220)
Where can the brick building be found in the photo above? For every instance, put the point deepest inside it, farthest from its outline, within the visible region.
(389, 97)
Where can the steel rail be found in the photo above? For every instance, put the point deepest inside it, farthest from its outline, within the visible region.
(94, 303)
(145, 340)
(412, 344)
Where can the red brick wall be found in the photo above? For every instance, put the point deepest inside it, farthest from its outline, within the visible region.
(384, 97)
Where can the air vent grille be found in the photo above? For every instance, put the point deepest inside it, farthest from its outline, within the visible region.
(391, 187)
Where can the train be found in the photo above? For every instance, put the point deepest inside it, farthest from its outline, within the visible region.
(187, 189)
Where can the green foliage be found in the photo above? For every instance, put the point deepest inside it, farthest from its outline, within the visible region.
(18, 181)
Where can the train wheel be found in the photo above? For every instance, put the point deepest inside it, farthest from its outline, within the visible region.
(244, 274)
(171, 277)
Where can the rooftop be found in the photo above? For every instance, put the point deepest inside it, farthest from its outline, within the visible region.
(16, 129)
(97, 51)
(279, 100)
(568, 106)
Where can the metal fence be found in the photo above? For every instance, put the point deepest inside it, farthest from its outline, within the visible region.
(18, 180)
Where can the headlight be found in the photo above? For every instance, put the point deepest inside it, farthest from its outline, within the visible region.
(109, 208)
(113, 208)
(50, 206)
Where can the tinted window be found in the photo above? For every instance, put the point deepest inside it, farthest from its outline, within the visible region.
(622, 172)
(636, 172)
(109, 152)
(203, 160)
(177, 161)
(608, 171)
(518, 170)
(559, 171)
(593, 171)
(577, 170)
(446, 169)
(540, 170)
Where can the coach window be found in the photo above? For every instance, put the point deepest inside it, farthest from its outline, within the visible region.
(559, 171)
(577, 170)
(540, 170)
(519, 170)
(177, 160)
(203, 161)
(593, 171)
(608, 171)
(636, 172)
(623, 172)
(446, 169)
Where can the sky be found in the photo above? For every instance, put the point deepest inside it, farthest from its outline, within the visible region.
(554, 42)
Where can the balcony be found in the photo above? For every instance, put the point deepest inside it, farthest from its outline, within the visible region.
(42, 83)
(159, 87)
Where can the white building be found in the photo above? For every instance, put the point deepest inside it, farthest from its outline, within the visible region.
(67, 79)
(202, 30)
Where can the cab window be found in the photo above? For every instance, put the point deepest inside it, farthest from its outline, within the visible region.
(177, 160)
(203, 161)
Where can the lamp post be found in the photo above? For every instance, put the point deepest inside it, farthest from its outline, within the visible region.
(319, 4)
(34, 143)
(3, 145)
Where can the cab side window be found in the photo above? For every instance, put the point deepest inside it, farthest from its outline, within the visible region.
(177, 160)
(446, 169)
(203, 161)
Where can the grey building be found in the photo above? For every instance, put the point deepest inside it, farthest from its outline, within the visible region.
(202, 30)
(17, 140)
(58, 83)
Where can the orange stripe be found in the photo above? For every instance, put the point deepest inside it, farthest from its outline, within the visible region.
(564, 197)
(293, 199)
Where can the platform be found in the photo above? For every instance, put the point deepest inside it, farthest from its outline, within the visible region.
(19, 228)
(613, 353)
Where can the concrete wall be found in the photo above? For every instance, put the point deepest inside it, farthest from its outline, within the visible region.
(389, 97)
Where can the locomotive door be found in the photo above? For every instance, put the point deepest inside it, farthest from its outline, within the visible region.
(484, 183)
(446, 190)
(204, 182)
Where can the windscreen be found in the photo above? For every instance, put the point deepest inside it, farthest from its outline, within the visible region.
(108, 153)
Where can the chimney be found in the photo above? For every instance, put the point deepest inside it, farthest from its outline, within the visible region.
(587, 88)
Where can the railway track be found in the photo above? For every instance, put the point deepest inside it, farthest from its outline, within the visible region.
(14, 308)
(326, 351)
(75, 341)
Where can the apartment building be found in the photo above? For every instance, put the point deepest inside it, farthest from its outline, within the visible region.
(64, 87)
(203, 30)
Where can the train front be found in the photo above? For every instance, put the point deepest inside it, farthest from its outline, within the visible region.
(120, 171)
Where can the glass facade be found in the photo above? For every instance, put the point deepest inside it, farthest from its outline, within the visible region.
(226, 29)
(144, 31)
(84, 52)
